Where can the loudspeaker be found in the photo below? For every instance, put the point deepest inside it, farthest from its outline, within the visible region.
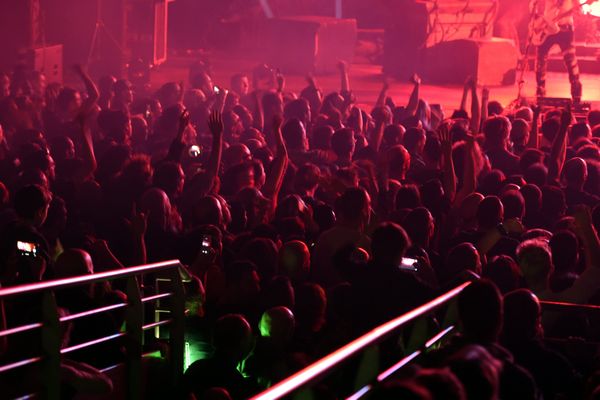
(308, 44)
(147, 30)
(492, 61)
(48, 60)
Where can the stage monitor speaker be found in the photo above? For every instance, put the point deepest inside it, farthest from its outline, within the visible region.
(308, 44)
(48, 60)
(492, 61)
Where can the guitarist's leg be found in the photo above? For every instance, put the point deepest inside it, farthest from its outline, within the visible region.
(541, 62)
(568, 51)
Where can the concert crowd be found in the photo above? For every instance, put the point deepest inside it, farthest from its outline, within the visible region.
(305, 220)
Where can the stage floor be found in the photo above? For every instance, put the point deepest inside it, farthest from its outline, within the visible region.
(366, 80)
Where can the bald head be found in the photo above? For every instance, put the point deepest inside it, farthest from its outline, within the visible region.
(278, 324)
(73, 262)
(575, 172)
(294, 260)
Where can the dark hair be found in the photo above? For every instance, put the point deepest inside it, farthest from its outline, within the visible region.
(480, 310)
(30, 199)
(389, 242)
(490, 212)
(514, 204)
(408, 196)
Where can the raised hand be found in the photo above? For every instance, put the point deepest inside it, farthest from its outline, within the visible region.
(280, 80)
(471, 82)
(485, 93)
(342, 66)
(215, 123)
(566, 117)
(184, 120)
(415, 79)
(444, 133)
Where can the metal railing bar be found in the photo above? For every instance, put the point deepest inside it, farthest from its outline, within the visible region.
(319, 368)
(79, 280)
(156, 297)
(19, 329)
(558, 304)
(76, 347)
(18, 364)
(155, 324)
(92, 312)
(394, 368)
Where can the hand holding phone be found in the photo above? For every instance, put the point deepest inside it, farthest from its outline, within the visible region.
(26, 249)
(409, 264)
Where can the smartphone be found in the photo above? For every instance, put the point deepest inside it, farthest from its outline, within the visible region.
(216, 89)
(409, 264)
(194, 151)
(206, 244)
(26, 249)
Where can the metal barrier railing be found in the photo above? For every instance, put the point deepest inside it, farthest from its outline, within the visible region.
(134, 322)
(327, 364)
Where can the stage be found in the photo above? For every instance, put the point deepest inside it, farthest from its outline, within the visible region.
(366, 80)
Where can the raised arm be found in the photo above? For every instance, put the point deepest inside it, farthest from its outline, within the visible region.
(258, 116)
(469, 181)
(413, 101)
(382, 95)
(588, 235)
(559, 148)
(381, 116)
(448, 174)
(345, 81)
(90, 87)
(475, 110)
(280, 81)
(279, 164)
(533, 142)
(177, 145)
(215, 126)
(87, 145)
(485, 97)
(465, 94)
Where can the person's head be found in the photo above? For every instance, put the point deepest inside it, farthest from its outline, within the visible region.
(575, 173)
(232, 338)
(156, 206)
(264, 254)
(294, 134)
(294, 260)
(492, 182)
(307, 179)
(408, 196)
(468, 210)
(478, 371)
(532, 195)
(554, 204)
(169, 177)
(550, 128)
(565, 251)
(535, 261)
(392, 135)
(490, 213)
(519, 134)
(353, 207)
(496, 130)
(432, 152)
(242, 277)
(124, 92)
(115, 125)
(236, 154)
(462, 257)
(298, 109)
(31, 204)
(399, 162)
(524, 113)
(495, 108)
(420, 226)
(207, 211)
(579, 130)
(530, 157)
(504, 272)
(240, 84)
(480, 311)
(522, 317)
(311, 307)
(414, 140)
(441, 383)
(514, 204)
(322, 137)
(342, 143)
(389, 243)
(73, 262)
(277, 324)
(68, 102)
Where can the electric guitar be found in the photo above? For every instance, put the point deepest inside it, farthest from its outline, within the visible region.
(541, 27)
